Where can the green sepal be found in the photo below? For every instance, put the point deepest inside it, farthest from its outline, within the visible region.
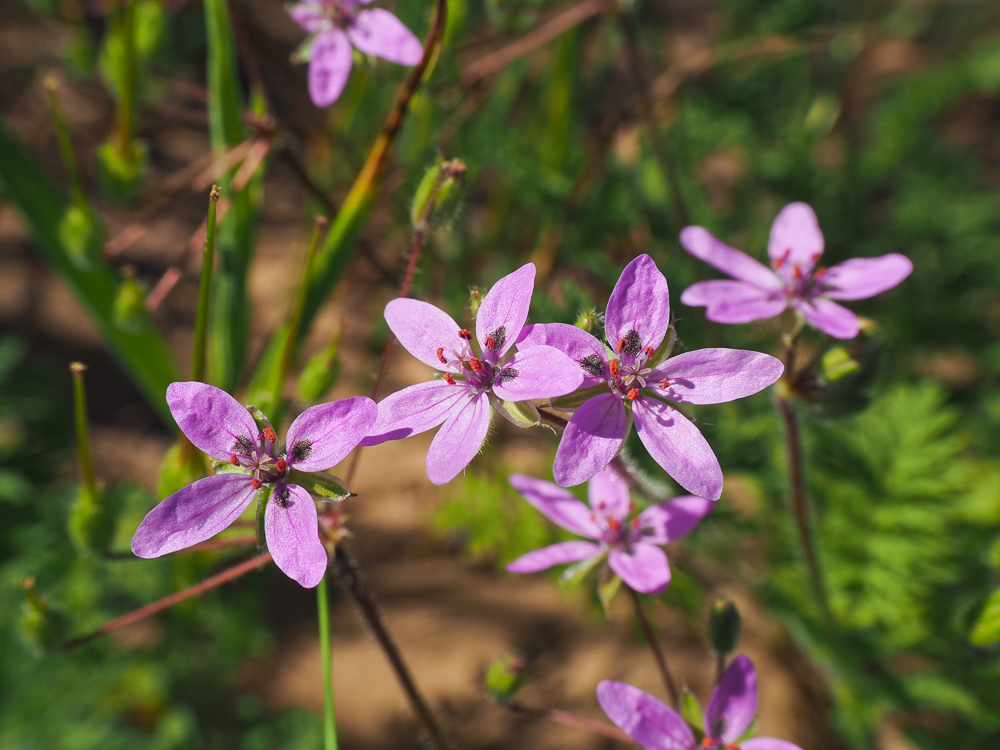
(437, 196)
(691, 713)
(121, 176)
(518, 413)
(589, 320)
(575, 573)
(324, 486)
(263, 495)
(505, 678)
(81, 235)
(750, 732)
(574, 400)
(129, 310)
(987, 627)
(837, 362)
(606, 590)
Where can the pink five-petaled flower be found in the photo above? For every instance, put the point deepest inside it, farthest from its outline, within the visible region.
(656, 726)
(631, 544)
(636, 322)
(217, 424)
(336, 25)
(472, 382)
(796, 245)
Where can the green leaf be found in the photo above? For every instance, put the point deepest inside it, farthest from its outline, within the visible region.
(987, 627)
(691, 711)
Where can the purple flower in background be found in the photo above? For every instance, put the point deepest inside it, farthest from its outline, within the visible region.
(463, 400)
(631, 544)
(219, 425)
(335, 26)
(644, 391)
(795, 247)
(656, 726)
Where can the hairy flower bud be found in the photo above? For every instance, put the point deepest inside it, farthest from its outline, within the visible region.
(724, 626)
(436, 199)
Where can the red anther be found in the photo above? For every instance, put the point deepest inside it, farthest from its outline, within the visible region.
(614, 524)
(621, 343)
(614, 367)
(664, 384)
(593, 516)
(635, 523)
(234, 460)
(633, 394)
(269, 434)
(491, 343)
(465, 334)
(797, 272)
(449, 379)
(440, 353)
(707, 742)
(476, 365)
(256, 483)
(734, 746)
(648, 351)
(819, 273)
(282, 464)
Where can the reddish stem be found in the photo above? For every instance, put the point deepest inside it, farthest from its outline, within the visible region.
(571, 720)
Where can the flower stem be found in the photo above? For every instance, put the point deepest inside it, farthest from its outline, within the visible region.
(125, 115)
(65, 142)
(570, 720)
(329, 719)
(83, 431)
(658, 655)
(205, 290)
(347, 569)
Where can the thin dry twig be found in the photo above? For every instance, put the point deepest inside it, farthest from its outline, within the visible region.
(565, 718)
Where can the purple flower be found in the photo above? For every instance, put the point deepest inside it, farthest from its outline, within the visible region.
(477, 374)
(335, 26)
(644, 391)
(656, 726)
(630, 544)
(217, 424)
(795, 247)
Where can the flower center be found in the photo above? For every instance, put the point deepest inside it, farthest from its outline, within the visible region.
(480, 372)
(801, 280)
(262, 460)
(628, 378)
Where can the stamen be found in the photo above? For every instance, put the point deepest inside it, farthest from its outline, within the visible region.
(614, 524)
(632, 343)
(664, 384)
(797, 272)
(648, 351)
(440, 355)
(707, 742)
(282, 464)
(507, 375)
(475, 364)
(281, 497)
(621, 343)
(270, 434)
(496, 339)
(465, 334)
(819, 273)
(593, 365)
(234, 460)
(491, 343)
(301, 450)
(633, 394)
(614, 367)
(256, 483)
(449, 379)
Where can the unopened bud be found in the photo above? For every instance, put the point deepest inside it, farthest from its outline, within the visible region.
(42, 626)
(588, 320)
(505, 678)
(129, 310)
(724, 626)
(475, 300)
(437, 195)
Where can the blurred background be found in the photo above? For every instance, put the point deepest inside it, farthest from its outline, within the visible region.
(592, 132)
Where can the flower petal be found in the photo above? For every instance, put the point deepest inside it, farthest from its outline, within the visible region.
(734, 301)
(608, 494)
(323, 435)
(459, 440)
(537, 372)
(644, 568)
(577, 344)
(423, 329)
(796, 239)
(329, 67)
(416, 409)
(310, 16)
(768, 743)
(733, 703)
(715, 376)
(829, 317)
(292, 532)
(861, 278)
(660, 524)
(592, 438)
(212, 419)
(193, 514)
(639, 302)
(504, 310)
(556, 504)
(647, 720)
(703, 245)
(378, 32)
(554, 554)
(677, 445)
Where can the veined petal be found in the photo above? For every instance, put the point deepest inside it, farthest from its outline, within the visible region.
(459, 440)
(829, 317)
(416, 409)
(291, 527)
(310, 16)
(323, 435)
(734, 301)
(329, 67)
(193, 514)
(591, 439)
(660, 524)
(714, 376)
(644, 568)
(537, 372)
(678, 446)
(504, 310)
(608, 494)
(768, 743)
(424, 329)
(556, 504)
(703, 245)
(639, 302)
(378, 32)
(861, 278)
(796, 239)
(577, 344)
(647, 720)
(733, 705)
(554, 554)
(212, 419)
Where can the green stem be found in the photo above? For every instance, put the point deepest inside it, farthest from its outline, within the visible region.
(125, 114)
(205, 290)
(83, 430)
(65, 144)
(326, 654)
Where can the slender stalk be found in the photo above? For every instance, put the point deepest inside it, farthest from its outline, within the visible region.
(347, 569)
(87, 472)
(65, 143)
(720, 666)
(125, 114)
(570, 720)
(205, 290)
(329, 719)
(658, 655)
(169, 601)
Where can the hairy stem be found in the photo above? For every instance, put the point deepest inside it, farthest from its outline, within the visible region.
(570, 720)
(329, 718)
(347, 569)
(87, 473)
(658, 655)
